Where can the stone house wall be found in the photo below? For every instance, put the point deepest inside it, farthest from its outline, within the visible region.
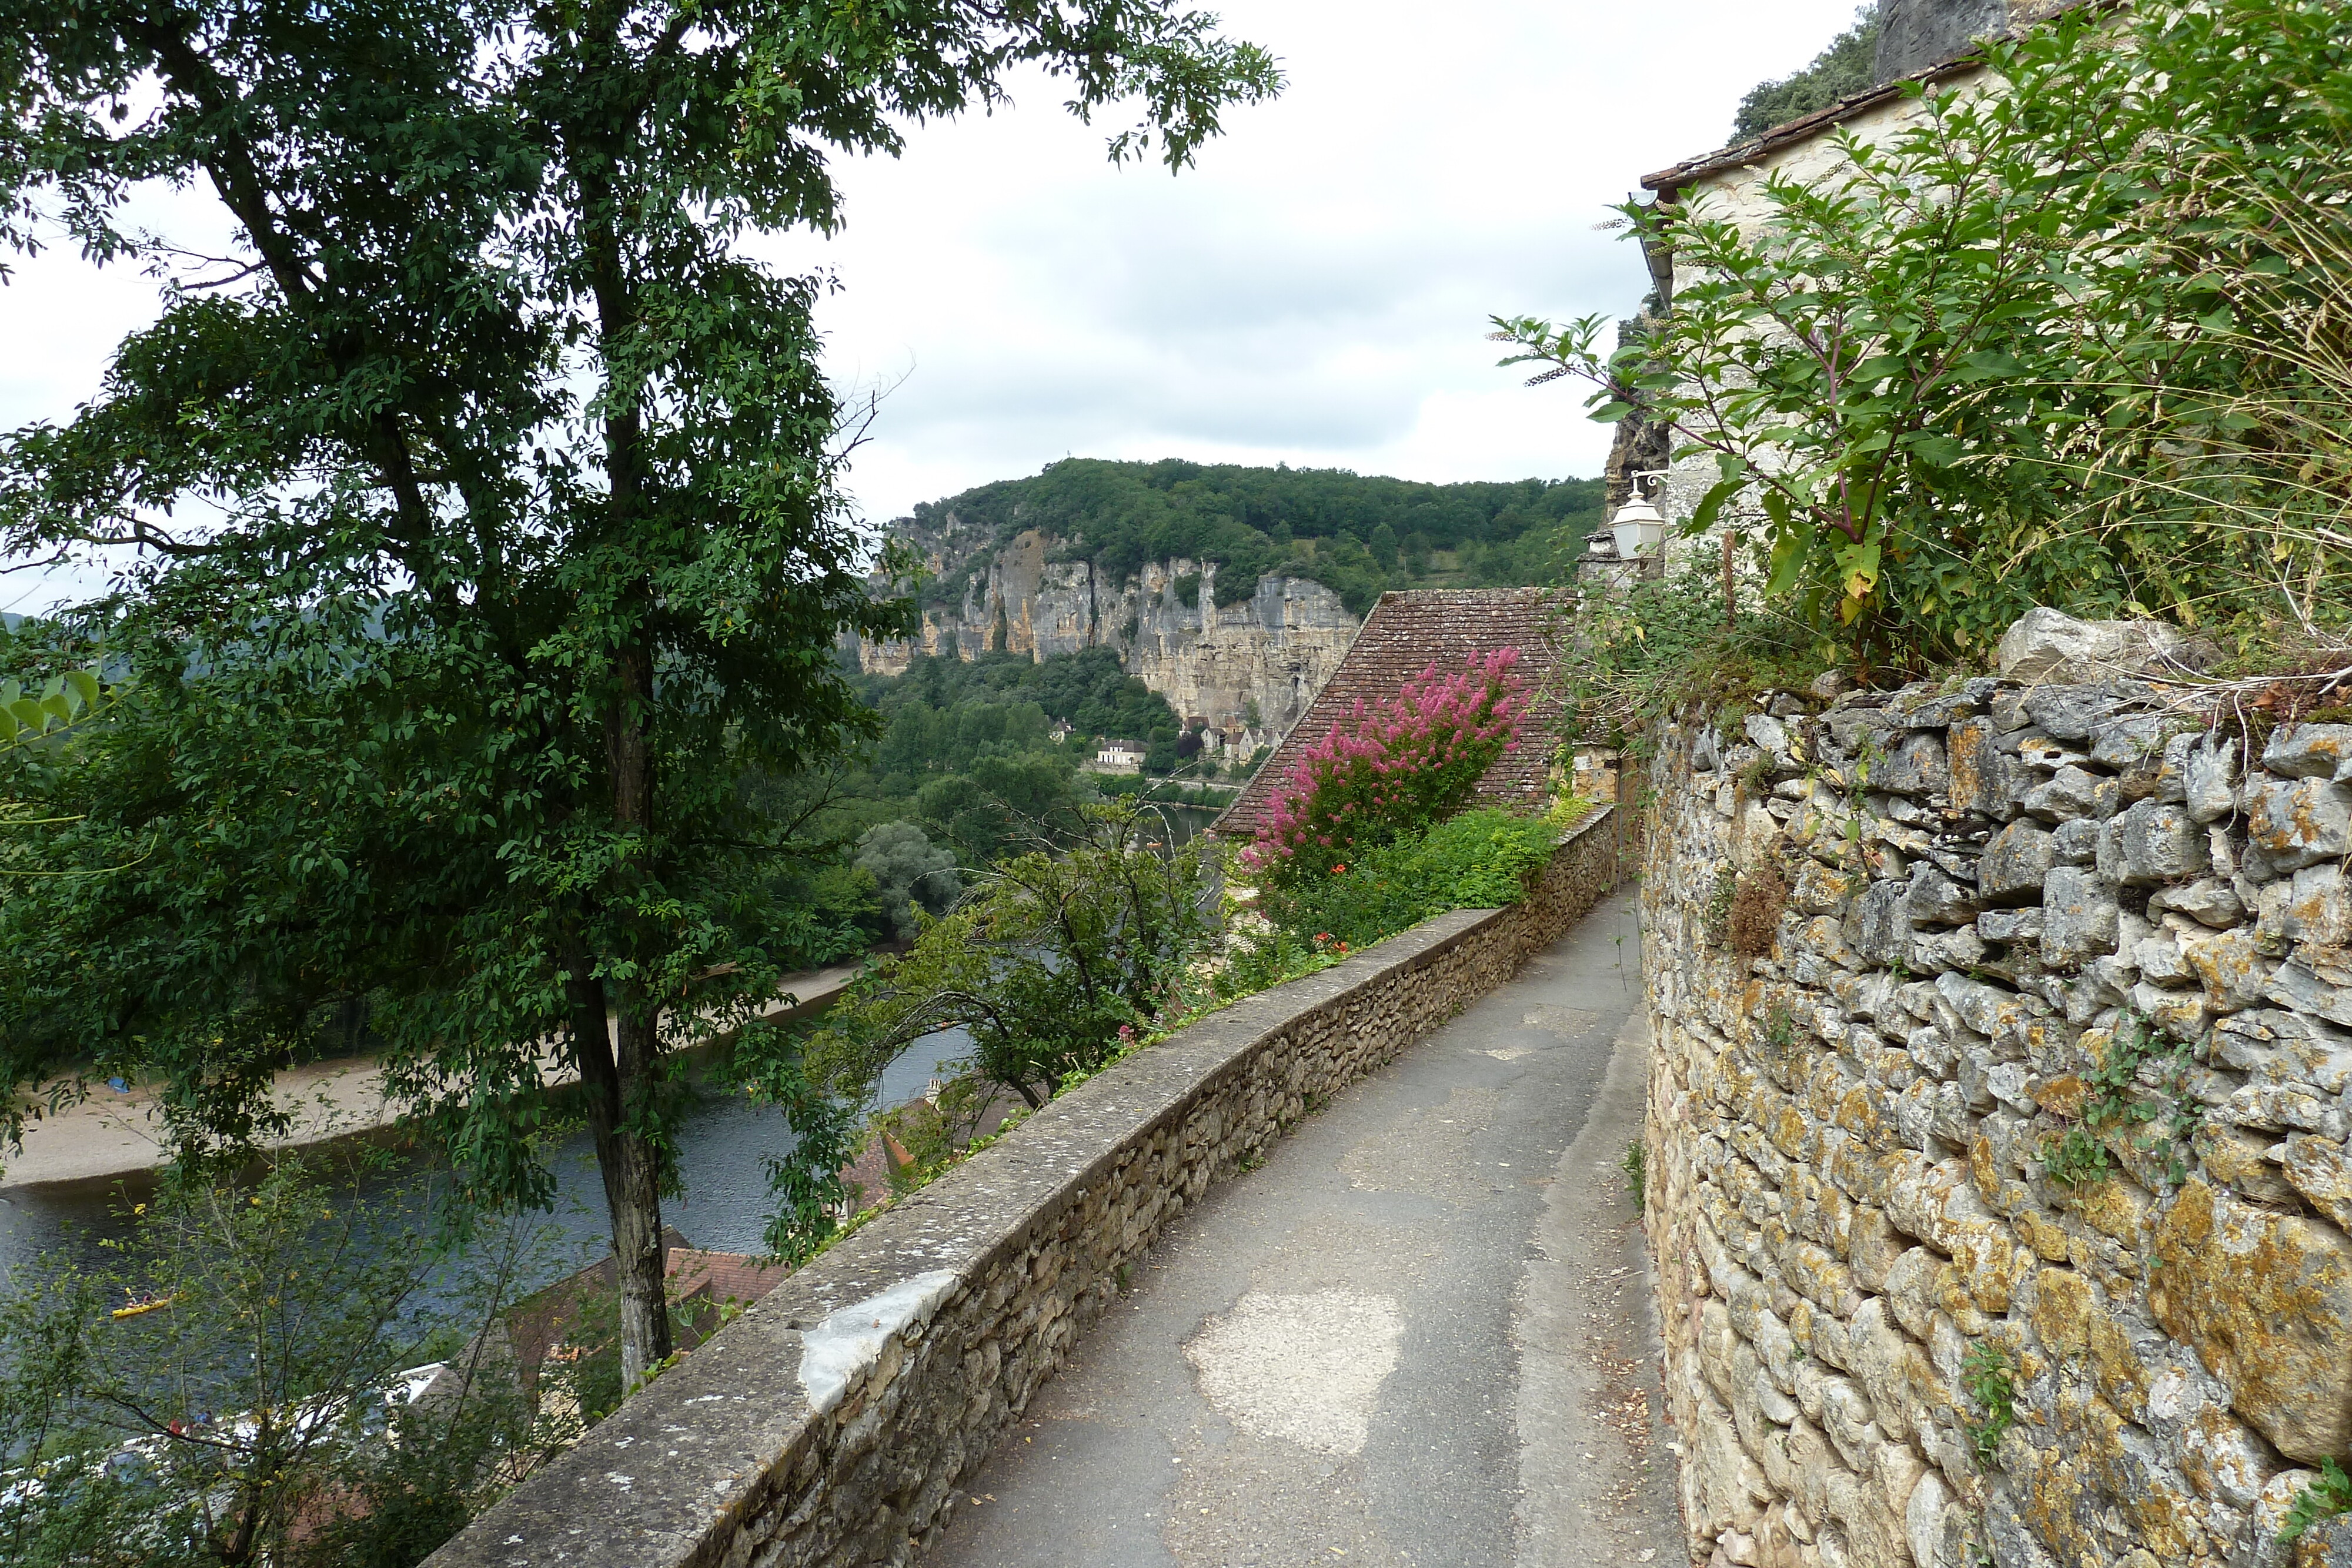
(833, 1423)
(2031, 1086)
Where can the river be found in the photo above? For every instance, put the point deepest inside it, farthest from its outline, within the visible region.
(725, 1142)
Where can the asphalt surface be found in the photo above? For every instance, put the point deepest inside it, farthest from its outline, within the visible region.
(1419, 1334)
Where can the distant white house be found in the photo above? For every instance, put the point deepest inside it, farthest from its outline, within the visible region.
(1119, 757)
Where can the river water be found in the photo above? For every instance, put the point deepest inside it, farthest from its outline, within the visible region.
(725, 1142)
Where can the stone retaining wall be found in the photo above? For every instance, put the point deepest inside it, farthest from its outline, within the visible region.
(2031, 1089)
(833, 1422)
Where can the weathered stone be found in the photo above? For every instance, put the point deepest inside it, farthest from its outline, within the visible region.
(2209, 901)
(1936, 900)
(2208, 776)
(2048, 645)
(2067, 711)
(1823, 889)
(1878, 926)
(2075, 842)
(2080, 919)
(2310, 751)
(1958, 948)
(2315, 906)
(2321, 1170)
(1974, 766)
(2011, 925)
(2294, 824)
(1768, 733)
(1914, 765)
(2265, 1300)
(2015, 864)
(2160, 843)
(2129, 742)
(2234, 971)
(2323, 990)
(2068, 793)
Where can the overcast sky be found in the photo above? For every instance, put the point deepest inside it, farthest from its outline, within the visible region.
(1315, 291)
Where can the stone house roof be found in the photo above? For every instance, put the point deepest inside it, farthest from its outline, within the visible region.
(1405, 634)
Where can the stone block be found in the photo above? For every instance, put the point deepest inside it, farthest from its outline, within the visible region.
(1769, 735)
(2049, 645)
(2009, 925)
(2067, 794)
(1958, 948)
(2310, 751)
(1823, 890)
(2298, 823)
(1914, 765)
(2075, 842)
(2161, 843)
(2265, 1300)
(1878, 926)
(2320, 990)
(2080, 918)
(2314, 906)
(2234, 971)
(2321, 1170)
(2015, 864)
(2068, 712)
(2135, 741)
(2209, 775)
(2208, 900)
(1973, 767)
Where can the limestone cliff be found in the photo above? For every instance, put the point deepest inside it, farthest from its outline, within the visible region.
(1274, 649)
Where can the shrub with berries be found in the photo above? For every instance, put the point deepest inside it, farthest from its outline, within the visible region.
(1392, 770)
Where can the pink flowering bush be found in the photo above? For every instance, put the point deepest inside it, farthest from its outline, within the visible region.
(1389, 771)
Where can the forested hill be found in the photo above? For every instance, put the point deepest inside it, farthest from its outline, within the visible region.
(1353, 533)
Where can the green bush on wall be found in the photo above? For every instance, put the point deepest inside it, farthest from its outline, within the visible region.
(1479, 860)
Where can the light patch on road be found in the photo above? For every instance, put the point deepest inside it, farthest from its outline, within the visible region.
(1511, 1052)
(1569, 1022)
(1305, 1369)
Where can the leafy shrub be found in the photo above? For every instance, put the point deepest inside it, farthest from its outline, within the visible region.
(1403, 766)
(907, 870)
(1479, 860)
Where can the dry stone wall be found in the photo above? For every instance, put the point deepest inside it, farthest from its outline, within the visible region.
(833, 1422)
(1999, 1174)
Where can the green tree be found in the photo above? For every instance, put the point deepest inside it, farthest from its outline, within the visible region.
(1047, 962)
(908, 872)
(527, 542)
(252, 1412)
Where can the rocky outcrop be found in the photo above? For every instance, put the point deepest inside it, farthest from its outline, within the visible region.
(1268, 653)
(1999, 1149)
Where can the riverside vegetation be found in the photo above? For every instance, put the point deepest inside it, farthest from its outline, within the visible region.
(523, 542)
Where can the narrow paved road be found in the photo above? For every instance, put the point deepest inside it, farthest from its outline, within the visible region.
(1418, 1336)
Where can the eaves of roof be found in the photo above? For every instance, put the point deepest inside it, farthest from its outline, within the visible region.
(1669, 182)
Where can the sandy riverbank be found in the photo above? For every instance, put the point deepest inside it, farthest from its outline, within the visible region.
(109, 1136)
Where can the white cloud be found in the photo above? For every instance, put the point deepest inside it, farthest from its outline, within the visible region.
(1316, 291)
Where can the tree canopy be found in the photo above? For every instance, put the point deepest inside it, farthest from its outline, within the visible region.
(1358, 535)
(485, 499)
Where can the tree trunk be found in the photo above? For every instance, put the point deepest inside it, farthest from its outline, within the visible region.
(629, 1163)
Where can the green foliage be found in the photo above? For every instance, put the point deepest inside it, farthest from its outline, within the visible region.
(772, 1065)
(1840, 70)
(2328, 1496)
(1302, 522)
(2049, 344)
(1662, 644)
(1636, 1167)
(1479, 860)
(523, 543)
(908, 870)
(247, 1415)
(2116, 1101)
(1986, 1374)
(1050, 962)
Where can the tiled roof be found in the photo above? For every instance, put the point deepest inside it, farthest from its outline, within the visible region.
(1405, 634)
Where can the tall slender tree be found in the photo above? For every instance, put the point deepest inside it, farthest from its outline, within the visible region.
(485, 526)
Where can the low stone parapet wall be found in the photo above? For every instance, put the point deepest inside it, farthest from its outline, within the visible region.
(833, 1422)
(1997, 1171)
